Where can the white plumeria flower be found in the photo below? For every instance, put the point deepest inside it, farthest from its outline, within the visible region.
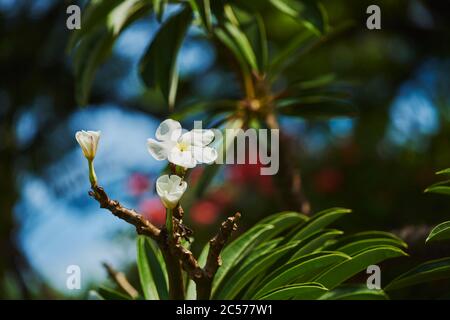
(170, 189)
(185, 150)
(88, 141)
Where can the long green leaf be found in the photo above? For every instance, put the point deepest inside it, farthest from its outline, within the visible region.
(365, 235)
(347, 269)
(158, 66)
(440, 232)
(319, 221)
(243, 44)
(151, 274)
(301, 270)
(440, 189)
(246, 274)
(355, 247)
(315, 241)
(93, 16)
(426, 272)
(96, 45)
(310, 13)
(304, 291)
(354, 292)
(232, 253)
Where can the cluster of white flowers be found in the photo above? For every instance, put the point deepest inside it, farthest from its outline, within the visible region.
(184, 150)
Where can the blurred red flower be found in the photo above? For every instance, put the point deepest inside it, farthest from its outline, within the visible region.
(204, 212)
(154, 211)
(138, 184)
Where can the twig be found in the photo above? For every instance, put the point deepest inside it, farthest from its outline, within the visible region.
(213, 261)
(121, 280)
(217, 243)
(142, 225)
(175, 255)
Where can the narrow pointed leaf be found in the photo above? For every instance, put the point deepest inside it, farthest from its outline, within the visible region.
(305, 291)
(244, 275)
(158, 66)
(151, 274)
(347, 269)
(235, 251)
(300, 270)
(440, 232)
(429, 271)
(354, 292)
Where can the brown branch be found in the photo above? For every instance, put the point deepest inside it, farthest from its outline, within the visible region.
(213, 260)
(142, 225)
(217, 243)
(120, 279)
(176, 256)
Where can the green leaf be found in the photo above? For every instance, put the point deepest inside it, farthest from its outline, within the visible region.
(310, 13)
(247, 273)
(316, 107)
(92, 51)
(364, 236)
(304, 291)
(354, 292)
(347, 269)
(110, 294)
(234, 252)
(440, 189)
(94, 16)
(256, 33)
(320, 221)
(314, 16)
(94, 47)
(315, 241)
(440, 232)
(204, 10)
(300, 269)
(283, 221)
(242, 44)
(355, 247)
(445, 171)
(429, 271)
(158, 66)
(151, 274)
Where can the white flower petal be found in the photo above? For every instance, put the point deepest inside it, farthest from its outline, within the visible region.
(198, 137)
(162, 184)
(184, 159)
(204, 154)
(170, 189)
(88, 141)
(174, 182)
(168, 130)
(157, 149)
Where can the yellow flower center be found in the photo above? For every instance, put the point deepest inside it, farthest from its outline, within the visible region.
(183, 146)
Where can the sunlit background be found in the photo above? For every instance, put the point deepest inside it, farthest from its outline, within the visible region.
(378, 164)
